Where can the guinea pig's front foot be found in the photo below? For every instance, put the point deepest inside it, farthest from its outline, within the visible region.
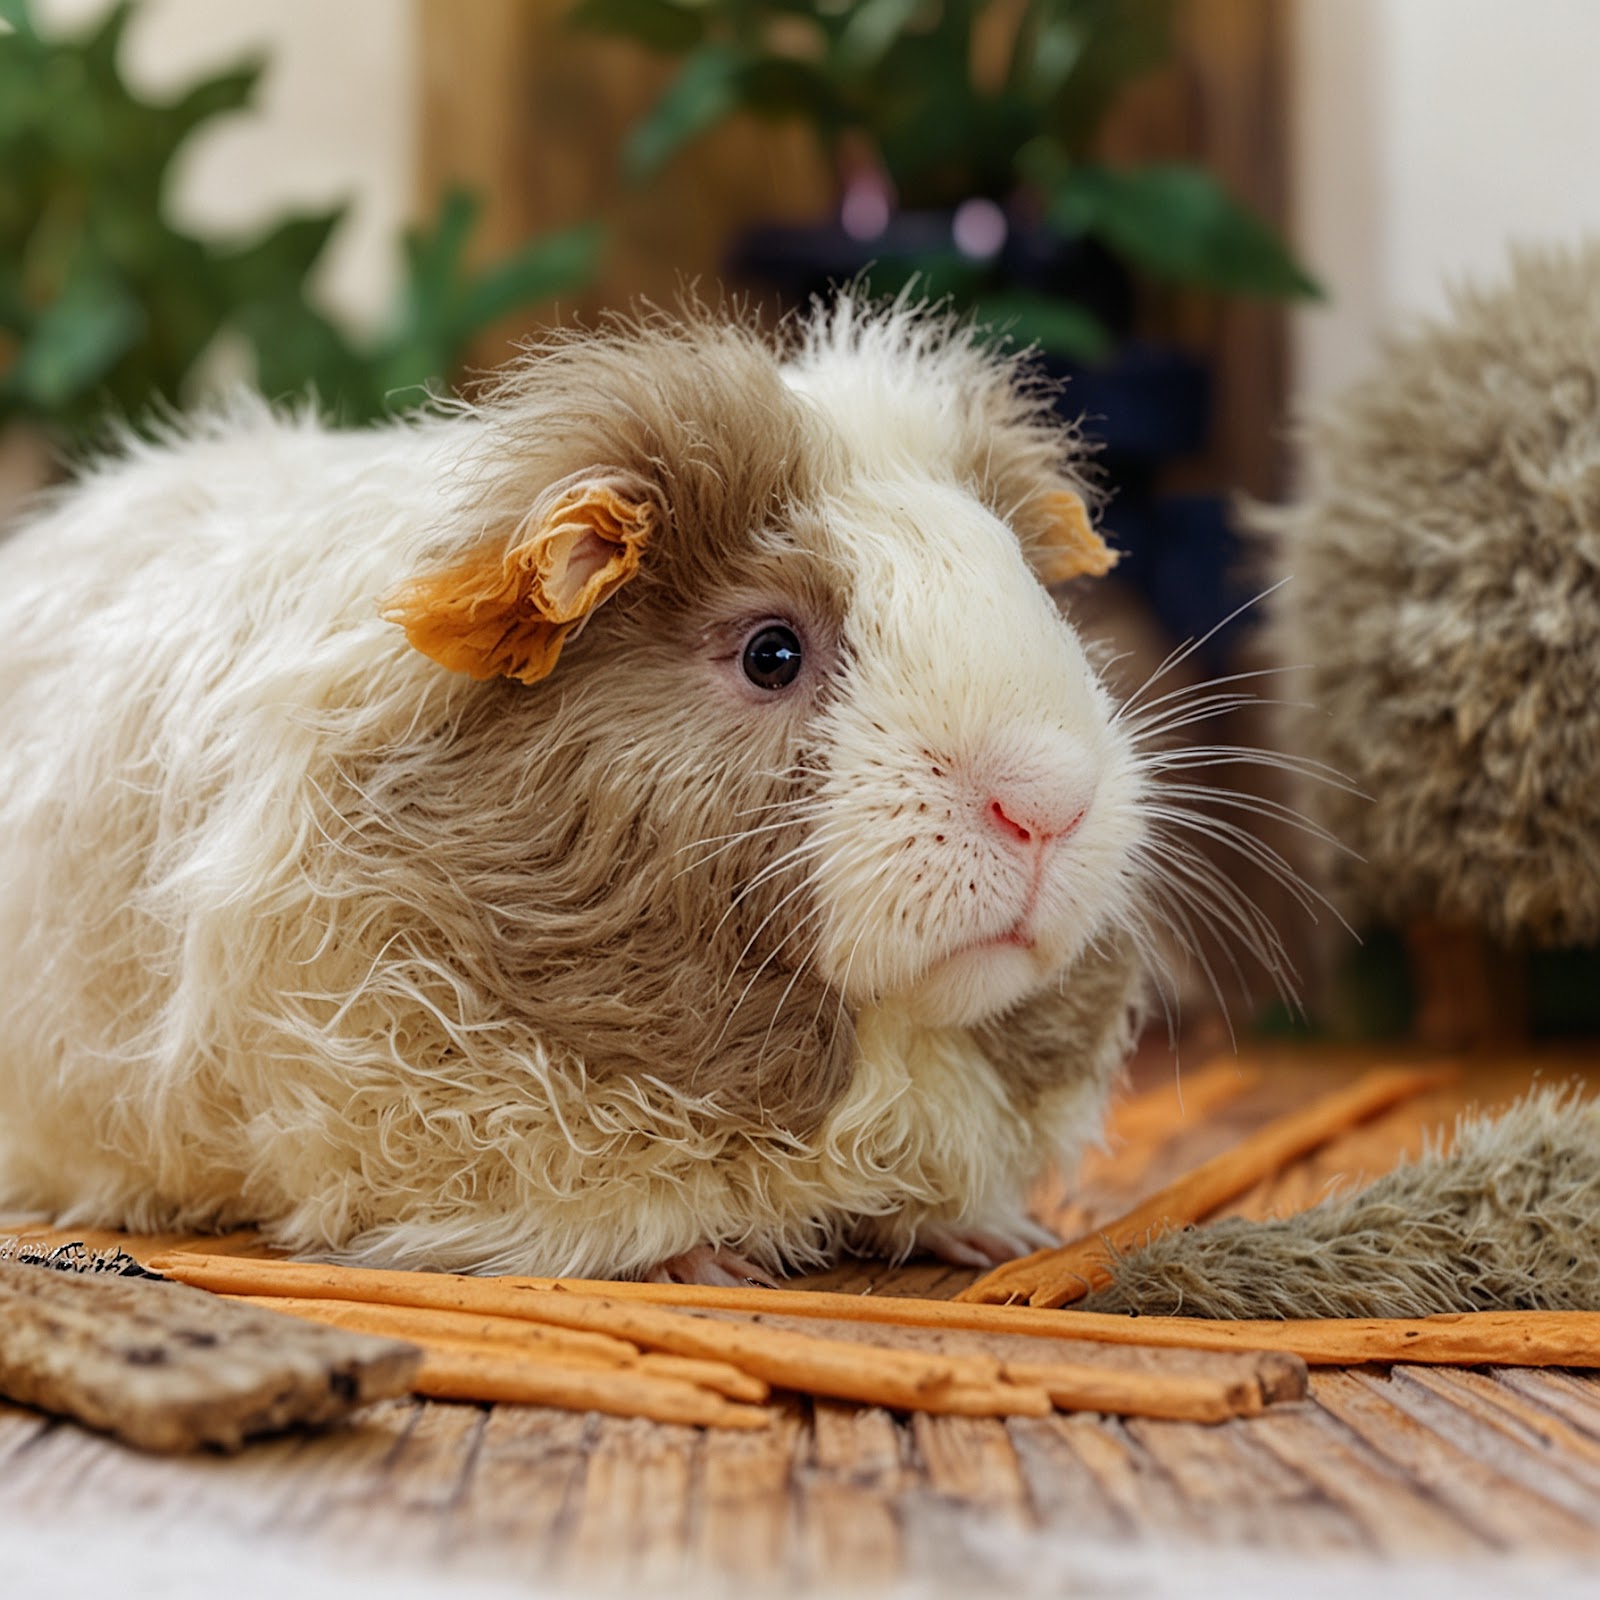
(714, 1265)
(966, 1244)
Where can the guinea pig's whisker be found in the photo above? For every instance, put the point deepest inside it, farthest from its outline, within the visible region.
(788, 859)
(766, 961)
(1175, 718)
(1136, 713)
(1256, 804)
(1178, 656)
(1187, 757)
(1238, 839)
(1247, 919)
(1225, 910)
(1173, 908)
(766, 922)
(727, 841)
(783, 999)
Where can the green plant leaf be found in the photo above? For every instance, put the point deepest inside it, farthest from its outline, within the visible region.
(17, 15)
(1179, 223)
(102, 46)
(434, 258)
(658, 25)
(233, 90)
(1059, 326)
(281, 258)
(76, 340)
(1085, 53)
(557, 264)
(871, 30)
(707, 89)
(780, 86)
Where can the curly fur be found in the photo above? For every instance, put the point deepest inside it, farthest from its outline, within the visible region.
(300, 929)
(1446, 603)
(1510, 1221)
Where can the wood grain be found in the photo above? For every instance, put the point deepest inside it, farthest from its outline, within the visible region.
(168, 1369)
(843, 1497)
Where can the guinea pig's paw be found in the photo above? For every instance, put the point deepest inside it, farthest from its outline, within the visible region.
(715, 1265)
(968, 1244)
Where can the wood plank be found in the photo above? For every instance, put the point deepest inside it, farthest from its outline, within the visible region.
(1502, 1508)
(1238, 1493)
(1544, 1425)
(349, 1461)
(1063, 1491)
(166, 1369)
(972, 1460)
(849, 1525)
(744, 1523)
(1573, 1396)
(423, 1478)
(1127, 1479)
(521, 1498)
(1533, 1434)
(1395, 1517)
(634, 1517)
(19, 1426)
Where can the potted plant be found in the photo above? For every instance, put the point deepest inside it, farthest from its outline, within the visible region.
(107, 306)
(983, 187)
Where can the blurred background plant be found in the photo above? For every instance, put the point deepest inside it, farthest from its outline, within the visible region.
(975, 176)
(107, 306)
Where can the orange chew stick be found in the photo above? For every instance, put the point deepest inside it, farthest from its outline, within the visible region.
(518, 1340)
(908, 1380)
(1495, 1338)
(457, 1372)
(1058, 1277)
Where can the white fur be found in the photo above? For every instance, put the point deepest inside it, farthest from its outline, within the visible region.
(202, 1025)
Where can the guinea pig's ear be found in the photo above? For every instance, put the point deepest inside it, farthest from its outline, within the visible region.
(1068, 546)
(506, 608)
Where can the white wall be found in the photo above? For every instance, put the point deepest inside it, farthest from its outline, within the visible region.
(1428, 134)
(336, 121)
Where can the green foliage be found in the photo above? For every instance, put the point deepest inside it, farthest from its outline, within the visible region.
(898, 75)
(105, 304)
(1177, 223)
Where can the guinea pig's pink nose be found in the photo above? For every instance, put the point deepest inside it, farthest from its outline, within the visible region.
(1028, 824)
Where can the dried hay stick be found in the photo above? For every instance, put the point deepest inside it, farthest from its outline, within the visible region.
(1070, 1386)
(1137, 1131)
(1057, 1277)
(529, 1341)
(493, 1373)
(1128, 1393)
(903, 1380)
(1156, 1114)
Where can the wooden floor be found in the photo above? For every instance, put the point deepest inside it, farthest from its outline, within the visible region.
(1412, 1461)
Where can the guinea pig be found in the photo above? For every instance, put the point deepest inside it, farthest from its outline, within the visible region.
(651, 821)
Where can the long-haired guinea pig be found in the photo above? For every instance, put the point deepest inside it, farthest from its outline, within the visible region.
(654, 820)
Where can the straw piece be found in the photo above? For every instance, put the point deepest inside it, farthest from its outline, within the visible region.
(531, 1340)
(456, 1372)
(1495, 1338)
(901, 1379)
(1128, 1393)
(1058, 1277)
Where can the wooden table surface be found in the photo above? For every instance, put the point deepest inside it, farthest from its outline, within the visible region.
(1405, 1462)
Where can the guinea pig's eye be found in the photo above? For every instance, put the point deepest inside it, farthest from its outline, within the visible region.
(771, 657)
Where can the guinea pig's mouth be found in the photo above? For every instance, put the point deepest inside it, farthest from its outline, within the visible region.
(1019, 936)
(978, 979)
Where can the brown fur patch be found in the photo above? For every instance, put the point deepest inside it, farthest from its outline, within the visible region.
(620, 926)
